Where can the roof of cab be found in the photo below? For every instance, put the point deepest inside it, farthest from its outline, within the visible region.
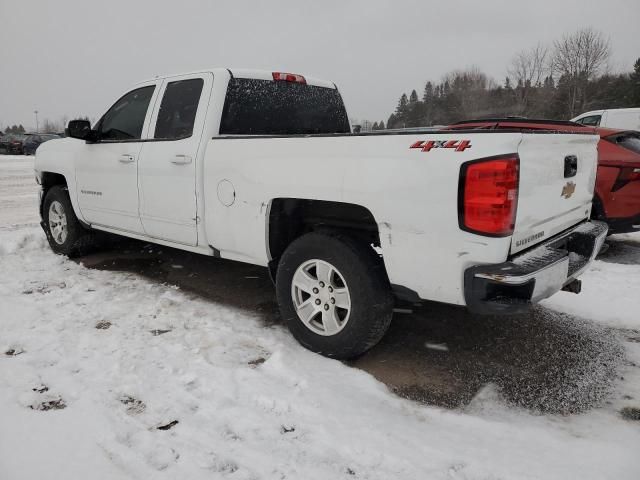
(247, 73)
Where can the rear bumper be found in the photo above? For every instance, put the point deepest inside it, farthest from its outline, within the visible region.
(538, 273)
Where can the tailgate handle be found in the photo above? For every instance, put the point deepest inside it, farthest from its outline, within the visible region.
(570, 166)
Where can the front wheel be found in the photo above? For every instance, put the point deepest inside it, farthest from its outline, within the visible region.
(334, 294)
(64, 232)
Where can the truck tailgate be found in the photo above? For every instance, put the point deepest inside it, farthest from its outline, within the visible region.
(557, 177)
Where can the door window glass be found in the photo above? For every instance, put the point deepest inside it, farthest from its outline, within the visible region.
(178, 109)
(591, 120)
(125, 119)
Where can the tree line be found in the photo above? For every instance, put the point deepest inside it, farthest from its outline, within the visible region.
(559, 81)
(15, 129)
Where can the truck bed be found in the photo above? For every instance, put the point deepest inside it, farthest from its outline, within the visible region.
(411, 192)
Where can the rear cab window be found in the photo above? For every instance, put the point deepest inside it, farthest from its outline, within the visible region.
(265, 107)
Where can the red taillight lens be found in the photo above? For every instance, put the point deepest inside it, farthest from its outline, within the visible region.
(488, 196)
(289, 77)
(626, 175)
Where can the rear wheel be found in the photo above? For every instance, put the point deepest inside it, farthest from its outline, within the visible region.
(334, 294)
(64, 232)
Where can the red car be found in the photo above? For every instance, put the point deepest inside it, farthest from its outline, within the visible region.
(617, 193)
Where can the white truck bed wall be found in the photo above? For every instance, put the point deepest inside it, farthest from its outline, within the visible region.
(412, 194)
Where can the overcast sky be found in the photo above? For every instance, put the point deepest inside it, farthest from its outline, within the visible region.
(75, 57)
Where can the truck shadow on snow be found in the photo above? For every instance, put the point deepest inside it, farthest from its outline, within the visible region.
(438, 354)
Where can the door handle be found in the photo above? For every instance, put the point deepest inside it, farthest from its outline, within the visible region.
(181, 159)
(126, 158)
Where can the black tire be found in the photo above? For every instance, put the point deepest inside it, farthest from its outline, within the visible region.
(78, 240)
(371, 301)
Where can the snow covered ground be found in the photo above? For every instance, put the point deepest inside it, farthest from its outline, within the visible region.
(109, 375)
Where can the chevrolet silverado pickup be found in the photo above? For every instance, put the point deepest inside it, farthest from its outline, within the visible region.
(262, 167)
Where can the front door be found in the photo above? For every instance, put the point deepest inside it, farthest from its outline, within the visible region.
(168, 160)
(107, 170)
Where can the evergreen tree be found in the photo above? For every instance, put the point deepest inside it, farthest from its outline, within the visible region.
(401, 113)
(428, 104)
(429, 93)
(381, 125)
(635, 84)
(403, 105)
(391, 122)
(416, 111)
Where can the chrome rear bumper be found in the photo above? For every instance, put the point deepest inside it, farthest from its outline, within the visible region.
(535, 274)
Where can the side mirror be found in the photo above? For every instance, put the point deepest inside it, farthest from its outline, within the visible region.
(80, 129)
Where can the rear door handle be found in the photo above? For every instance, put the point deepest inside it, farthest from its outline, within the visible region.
(126, 158)
(181, 159)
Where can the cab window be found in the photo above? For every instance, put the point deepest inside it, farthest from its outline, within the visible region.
(125, 119)
(265, 107)
(178, 109)
(591, 120)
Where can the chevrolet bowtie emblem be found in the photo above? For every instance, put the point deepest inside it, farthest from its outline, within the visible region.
(568, 190)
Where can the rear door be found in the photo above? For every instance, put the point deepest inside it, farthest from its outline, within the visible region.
(557, 177)
(169, 159)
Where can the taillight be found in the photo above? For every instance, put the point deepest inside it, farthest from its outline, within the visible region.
(289, 77)
(488, 195)
(626, 175)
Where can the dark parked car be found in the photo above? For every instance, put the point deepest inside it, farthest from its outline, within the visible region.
(11, 144)
(33, 141)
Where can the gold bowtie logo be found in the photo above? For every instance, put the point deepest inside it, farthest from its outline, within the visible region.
(568, 190)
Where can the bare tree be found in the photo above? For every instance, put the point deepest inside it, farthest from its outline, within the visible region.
(527, 69)
(578, 59)
(466, 90)
(54, 126)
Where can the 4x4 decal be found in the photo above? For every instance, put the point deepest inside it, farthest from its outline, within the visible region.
(428, 145)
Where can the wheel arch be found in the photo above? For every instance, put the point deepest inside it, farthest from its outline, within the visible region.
(50, 179)
(289, 218)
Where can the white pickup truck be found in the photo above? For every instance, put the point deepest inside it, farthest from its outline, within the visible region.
(261, 167)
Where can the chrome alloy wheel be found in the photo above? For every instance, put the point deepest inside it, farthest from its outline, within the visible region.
(58, 222)
(321, 297)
